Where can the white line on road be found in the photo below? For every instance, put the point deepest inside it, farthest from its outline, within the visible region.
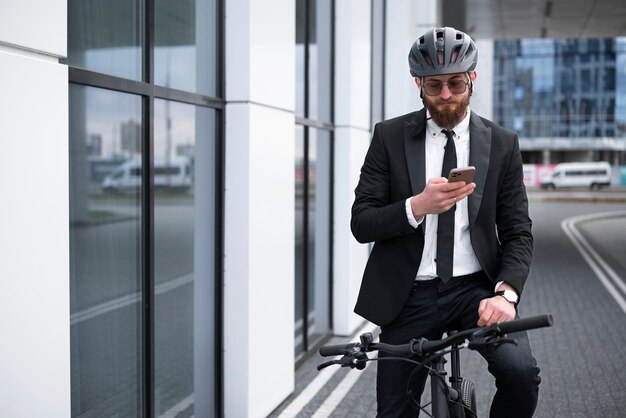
(298, 403)
(595, 261)
(337, 395)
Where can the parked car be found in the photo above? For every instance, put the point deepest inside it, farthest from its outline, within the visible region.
(591, 175)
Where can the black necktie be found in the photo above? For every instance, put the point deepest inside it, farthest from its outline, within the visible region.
(445, 226)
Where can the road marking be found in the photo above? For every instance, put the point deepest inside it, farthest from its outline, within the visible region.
(130, 299)
(336, 396)
(607, 276)
(299, 402)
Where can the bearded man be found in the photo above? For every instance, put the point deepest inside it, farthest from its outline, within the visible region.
(446, 255)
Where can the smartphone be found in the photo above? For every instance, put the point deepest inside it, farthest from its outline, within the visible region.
(465, 174)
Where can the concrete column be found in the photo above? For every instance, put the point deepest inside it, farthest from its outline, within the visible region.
(259, 206)
(34, 238)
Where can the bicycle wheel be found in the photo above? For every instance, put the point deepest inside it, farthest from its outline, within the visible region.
(468, 395)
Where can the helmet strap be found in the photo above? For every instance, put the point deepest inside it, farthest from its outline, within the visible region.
(471, 86)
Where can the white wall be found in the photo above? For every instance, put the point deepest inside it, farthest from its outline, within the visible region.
(482, 99)
(34, 215)
(259, 206)
(406, 20)
(352, 135)
(35, 25)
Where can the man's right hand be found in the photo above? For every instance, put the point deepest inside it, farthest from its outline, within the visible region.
(439, 196)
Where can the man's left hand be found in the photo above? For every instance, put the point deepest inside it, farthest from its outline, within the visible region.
(495, 309)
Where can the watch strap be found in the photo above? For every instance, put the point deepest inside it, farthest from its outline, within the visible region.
(503, 294)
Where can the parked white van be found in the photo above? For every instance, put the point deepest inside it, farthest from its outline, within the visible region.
(174, 174)
(592, 175)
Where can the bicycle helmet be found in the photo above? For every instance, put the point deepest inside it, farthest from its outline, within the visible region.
(442, 51)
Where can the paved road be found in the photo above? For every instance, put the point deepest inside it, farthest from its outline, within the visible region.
(581, 356)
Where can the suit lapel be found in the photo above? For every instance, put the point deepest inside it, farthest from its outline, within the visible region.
(480, 150)
(415, 150)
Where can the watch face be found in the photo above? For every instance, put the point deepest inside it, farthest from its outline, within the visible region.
(510, 295)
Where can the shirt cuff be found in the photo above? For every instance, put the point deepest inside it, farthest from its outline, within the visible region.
(498, 285)
(409, 214)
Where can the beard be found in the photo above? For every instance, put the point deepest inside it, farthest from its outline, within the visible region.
(447, 116)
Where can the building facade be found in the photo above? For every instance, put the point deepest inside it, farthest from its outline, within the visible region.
(179, 177)
(565, 98)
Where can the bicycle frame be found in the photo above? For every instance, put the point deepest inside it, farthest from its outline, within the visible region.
(440, 392)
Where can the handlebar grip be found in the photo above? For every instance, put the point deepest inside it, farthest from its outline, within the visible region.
(524, 324)
(335, 350)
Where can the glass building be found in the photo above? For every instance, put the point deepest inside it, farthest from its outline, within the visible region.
(565, 98)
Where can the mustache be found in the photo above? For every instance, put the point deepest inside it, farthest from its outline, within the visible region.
(448, 101)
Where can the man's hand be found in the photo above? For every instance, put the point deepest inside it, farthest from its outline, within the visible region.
(495, 309)
(439, 196)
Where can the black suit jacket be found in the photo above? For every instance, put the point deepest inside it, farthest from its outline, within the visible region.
(394, 170)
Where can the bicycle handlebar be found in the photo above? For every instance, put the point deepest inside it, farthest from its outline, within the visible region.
(423, 347)
(337, 350)
(525, 324)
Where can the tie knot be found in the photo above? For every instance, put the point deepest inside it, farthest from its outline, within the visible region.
(449, 134)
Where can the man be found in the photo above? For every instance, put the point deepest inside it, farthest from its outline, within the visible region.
(447, 255)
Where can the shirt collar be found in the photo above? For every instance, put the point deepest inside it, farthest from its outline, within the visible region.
(461, 130)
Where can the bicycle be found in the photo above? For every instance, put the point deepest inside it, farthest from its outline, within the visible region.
(457, 399)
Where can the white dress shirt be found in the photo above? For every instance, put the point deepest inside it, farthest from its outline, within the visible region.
(465, 261)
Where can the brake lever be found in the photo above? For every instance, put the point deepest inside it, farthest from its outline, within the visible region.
(328, 363)
(353, 361)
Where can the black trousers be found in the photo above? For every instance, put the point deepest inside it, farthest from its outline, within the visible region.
(434, 308)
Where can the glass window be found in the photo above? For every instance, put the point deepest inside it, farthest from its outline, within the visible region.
(319, 144)
(143, 287)
(185, 45)
(184, 140)
(105, 254)
(300, 175)
(312, 171)
(301, 28)
(312, 178)
(105, 36)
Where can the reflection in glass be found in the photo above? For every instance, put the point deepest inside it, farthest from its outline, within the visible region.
(299, 250)
(313, 56)
(105, 36)
(183, 248)
(312, 178)
(185, 51)
(301, 23)
(312, 250)
(105, 252)
(319, 234)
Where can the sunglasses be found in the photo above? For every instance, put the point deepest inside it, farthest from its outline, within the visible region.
(434, 87)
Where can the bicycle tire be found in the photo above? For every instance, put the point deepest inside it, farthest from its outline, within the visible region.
(468, 395)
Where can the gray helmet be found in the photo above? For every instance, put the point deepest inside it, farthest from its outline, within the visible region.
(442, 51)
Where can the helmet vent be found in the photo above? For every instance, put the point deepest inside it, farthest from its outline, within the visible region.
(455, 54)
(427, 58)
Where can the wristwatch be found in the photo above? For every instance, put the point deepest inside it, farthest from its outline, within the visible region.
(509, 295)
